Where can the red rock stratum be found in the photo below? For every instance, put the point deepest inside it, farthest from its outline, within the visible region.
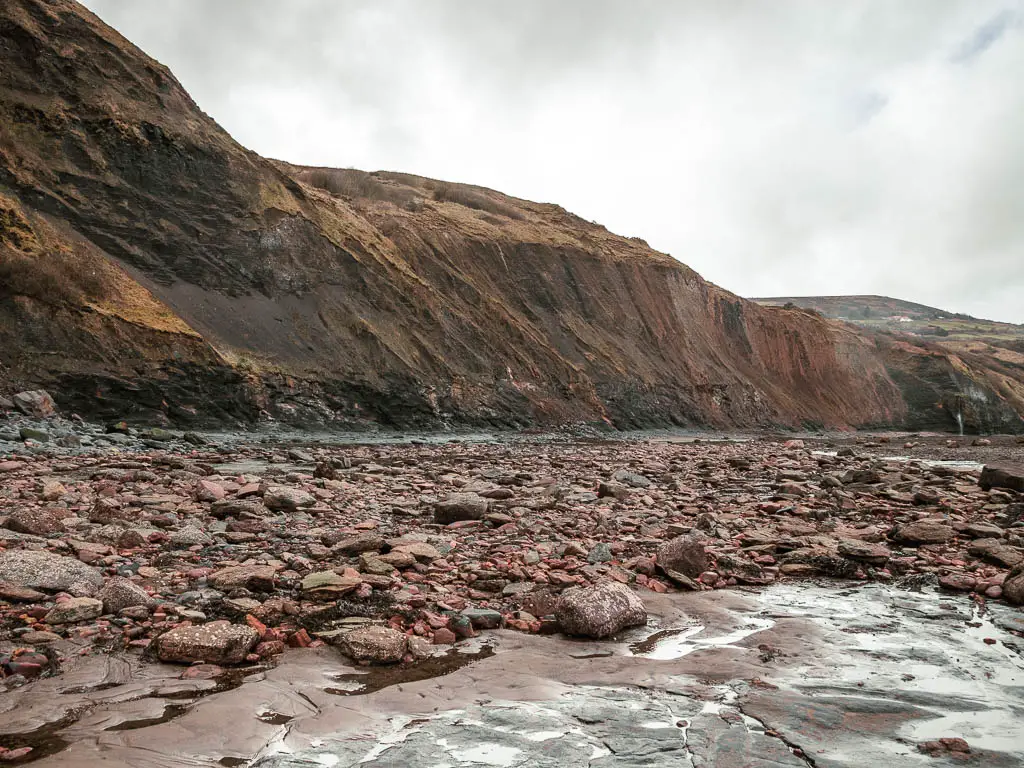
(150, 264)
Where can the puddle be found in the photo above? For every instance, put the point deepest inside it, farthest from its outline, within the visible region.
(44, 742)
(669, 644)
(925, 649)
(274, 718)
(378, 678)
(128, 696)
(171, 711)
(584, 725)
(965, 466)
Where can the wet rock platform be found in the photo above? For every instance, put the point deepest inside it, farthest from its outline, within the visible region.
(786, 675)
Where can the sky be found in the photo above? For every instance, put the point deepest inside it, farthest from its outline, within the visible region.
(778, 147)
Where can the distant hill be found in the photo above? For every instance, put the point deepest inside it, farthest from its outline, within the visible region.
(882, 313)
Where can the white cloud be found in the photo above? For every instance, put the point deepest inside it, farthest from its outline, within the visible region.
(792, 147)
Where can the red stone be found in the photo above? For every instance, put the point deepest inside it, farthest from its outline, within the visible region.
(300, 639)
(444, 637)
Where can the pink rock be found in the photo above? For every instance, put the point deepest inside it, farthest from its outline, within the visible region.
(708, 577)
(207, 490)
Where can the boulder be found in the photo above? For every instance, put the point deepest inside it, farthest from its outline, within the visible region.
(861, 477)
(1013, 586)
(239, 508)
(329, 584)
(873, 554)
(37, 435)
(484, 618)
(74, 610)
(355, 545)
(46, 571)
(281, 498)
(958, 581)
(16, 594)
(106, 511)
(460, 506)
(743, 570)
(685, 555)
(614, 490)
(924, 532)
(120, 593)
(256, 578)
(996, 551)
(375, 644)
(599, 611)
(36, 403)
(983, 530)
(631, 478)
(52, 490)
(425, 553)
(190, 536)
(370, 562)
(1014, 513)
(219, 642)
(1002, 476)
(207, 490)
(36, 521)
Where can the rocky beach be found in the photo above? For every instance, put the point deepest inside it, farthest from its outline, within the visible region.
(307, 466)
(124, 551)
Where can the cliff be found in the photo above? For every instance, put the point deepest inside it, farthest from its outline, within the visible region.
(152, 267)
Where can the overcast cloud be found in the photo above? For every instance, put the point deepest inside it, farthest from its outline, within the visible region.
(779, 147)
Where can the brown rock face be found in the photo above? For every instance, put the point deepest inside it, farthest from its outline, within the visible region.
(453, 303)
(231, 251)
(219, 642)
(599, 611)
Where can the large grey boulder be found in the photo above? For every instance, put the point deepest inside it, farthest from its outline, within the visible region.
(599, 611)
(378, 645)
(685, 555)
(120, 593)
(1013, 587)
(280, 498)
(37, 404)
(46, 571)
(1002, 476)
(460, 506)
(219, 642)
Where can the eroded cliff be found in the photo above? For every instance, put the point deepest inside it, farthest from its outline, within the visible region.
(151, 265)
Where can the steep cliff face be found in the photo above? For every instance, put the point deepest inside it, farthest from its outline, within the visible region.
(152, 266)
